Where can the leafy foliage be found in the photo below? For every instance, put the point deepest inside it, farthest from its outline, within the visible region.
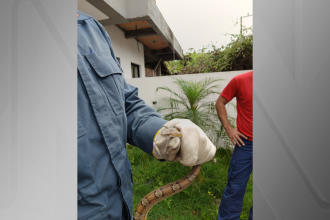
(237, 55)
(191, 103)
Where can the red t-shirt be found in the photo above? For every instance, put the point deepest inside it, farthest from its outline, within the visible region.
(241, 88)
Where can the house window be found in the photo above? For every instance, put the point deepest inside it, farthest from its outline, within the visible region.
(135, 71)
(118, 60)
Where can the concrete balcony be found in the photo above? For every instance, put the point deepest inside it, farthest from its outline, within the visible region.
(141, 20)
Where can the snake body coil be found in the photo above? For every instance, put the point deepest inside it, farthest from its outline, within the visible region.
(164, 192)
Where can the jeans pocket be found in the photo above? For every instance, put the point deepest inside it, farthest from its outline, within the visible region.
(231, 167)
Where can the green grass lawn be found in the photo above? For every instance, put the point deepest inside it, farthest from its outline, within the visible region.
(199, 201)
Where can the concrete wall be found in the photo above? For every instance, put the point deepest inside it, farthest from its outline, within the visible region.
(147, 86)
(126, 50)
(89, 9)
(162, 25)
(119, 5)
(137, 9)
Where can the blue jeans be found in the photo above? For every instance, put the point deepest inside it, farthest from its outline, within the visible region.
(239, 172)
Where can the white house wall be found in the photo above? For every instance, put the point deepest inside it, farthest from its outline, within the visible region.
(126, 50)
(147, 86)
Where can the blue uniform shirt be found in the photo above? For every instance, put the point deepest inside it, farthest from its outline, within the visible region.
(110, 114)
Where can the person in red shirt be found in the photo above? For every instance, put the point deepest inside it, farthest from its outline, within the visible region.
(240, 167)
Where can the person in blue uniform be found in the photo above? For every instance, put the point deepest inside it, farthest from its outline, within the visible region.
(110, 114)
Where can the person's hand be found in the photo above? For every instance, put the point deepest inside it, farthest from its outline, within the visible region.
(181, 140)
(235, 136)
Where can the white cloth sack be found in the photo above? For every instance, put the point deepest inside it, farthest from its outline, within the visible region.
(181, 140)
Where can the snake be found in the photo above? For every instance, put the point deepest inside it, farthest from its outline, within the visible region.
(164, 192)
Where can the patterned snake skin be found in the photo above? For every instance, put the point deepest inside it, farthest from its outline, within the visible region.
(164, 192)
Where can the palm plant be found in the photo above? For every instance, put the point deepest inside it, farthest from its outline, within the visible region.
(192, 102)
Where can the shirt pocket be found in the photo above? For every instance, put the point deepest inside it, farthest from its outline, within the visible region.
(97, 214)
(106, 70)
(130, 172)
(80, 130)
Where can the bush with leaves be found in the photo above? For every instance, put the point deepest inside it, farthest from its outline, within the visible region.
(237, 55)
(191, 103)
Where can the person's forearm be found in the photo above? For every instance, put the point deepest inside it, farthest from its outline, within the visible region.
(222, 113)
(233, 134)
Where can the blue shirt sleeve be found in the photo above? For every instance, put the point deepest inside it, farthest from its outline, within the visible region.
(143, 122)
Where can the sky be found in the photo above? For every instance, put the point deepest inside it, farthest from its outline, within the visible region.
(197, 23)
